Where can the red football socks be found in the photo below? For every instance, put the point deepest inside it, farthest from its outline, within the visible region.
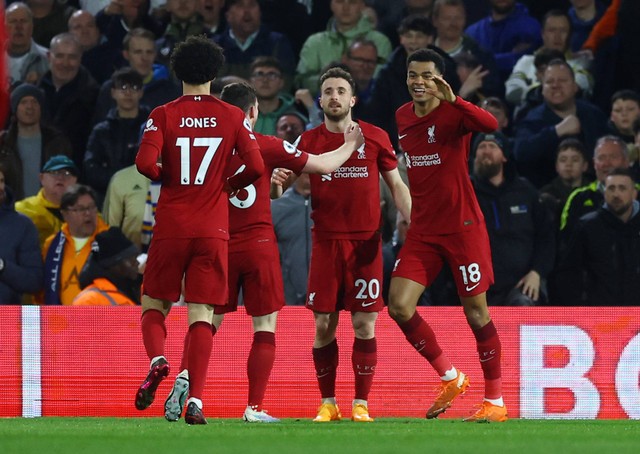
(184, 362)
(325, 360)
(154, 332)
(423, 339)
(199, 352)
(259, 365)
(489, 352)
(364, 359)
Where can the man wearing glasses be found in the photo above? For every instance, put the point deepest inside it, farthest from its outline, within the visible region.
(361, 58)
(266, 78)
(113, 143)
(66, 252)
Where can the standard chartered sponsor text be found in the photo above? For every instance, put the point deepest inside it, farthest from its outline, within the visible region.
(425, 160)
(351, 172)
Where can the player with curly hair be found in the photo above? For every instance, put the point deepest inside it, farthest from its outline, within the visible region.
(187, 144)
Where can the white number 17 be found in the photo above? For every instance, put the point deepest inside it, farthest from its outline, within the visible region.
(212, 144)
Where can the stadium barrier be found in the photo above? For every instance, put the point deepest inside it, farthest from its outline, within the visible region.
(563, 363)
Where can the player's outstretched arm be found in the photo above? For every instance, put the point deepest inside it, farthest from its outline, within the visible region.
(328, 162)
(254, 168)
(476, 119)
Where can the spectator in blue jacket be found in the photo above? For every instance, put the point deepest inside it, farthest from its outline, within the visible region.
(20, 259)
(508, 32)
(246, 38)
(561, 115)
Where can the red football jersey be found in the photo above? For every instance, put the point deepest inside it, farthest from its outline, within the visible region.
(346, 203)
(194, 137)
(250, 209)
(437, 152)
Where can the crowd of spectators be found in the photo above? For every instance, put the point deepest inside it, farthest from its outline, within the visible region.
(557, 182)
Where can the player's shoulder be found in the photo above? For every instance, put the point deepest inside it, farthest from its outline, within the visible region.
(369, 129)
(312, 134)
(269, 144)
(405, 109)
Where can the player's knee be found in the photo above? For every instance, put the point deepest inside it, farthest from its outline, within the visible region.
(265, 322)
(400, 313)
(149, 303)
(476, 310)
(217, 320)
(200, 313)
(364, 324)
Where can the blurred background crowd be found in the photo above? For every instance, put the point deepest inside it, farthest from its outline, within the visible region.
(557, 182)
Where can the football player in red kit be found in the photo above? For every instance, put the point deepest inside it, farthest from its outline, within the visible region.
(346, 256)
(447, 226)
(187, 144)
(254, 261)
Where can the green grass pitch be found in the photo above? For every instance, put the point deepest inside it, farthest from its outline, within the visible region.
(386, 435)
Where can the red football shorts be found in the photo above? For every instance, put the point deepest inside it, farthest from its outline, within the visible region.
(467, 253)
(201, 261)
(345, 274)
(257, 272)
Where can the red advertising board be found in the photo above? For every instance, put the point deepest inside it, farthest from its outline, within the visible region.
(557, 363)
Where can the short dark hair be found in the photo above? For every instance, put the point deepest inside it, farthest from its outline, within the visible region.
(557, 13)
(494, 101)
(266, 60)
(562, 62)
(239, 94)
(426, 55)
(466, 59)
(197, 60)
(138, 32)
(636, 126)
(126, 76)
(73, 193)
(440, 3)
(624, 172)
(573, 144)
(544, 55)
(416, 23)
(626, 95)
(339, 73)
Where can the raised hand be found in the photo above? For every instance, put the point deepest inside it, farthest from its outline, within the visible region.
(280, 176)
(353, 134)
(442, 91)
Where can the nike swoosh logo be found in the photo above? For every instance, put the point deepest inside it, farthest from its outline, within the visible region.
(323, 375)
(468, 289)
(485, 360)
(368, 304)
(365, 373)
(402, 136)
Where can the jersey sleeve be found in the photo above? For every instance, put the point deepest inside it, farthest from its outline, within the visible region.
(287, 155)
(387, 159)
(475, 119)
(249, 151)
(151, 145)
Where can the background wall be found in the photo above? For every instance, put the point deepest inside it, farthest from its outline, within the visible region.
(557, 363)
